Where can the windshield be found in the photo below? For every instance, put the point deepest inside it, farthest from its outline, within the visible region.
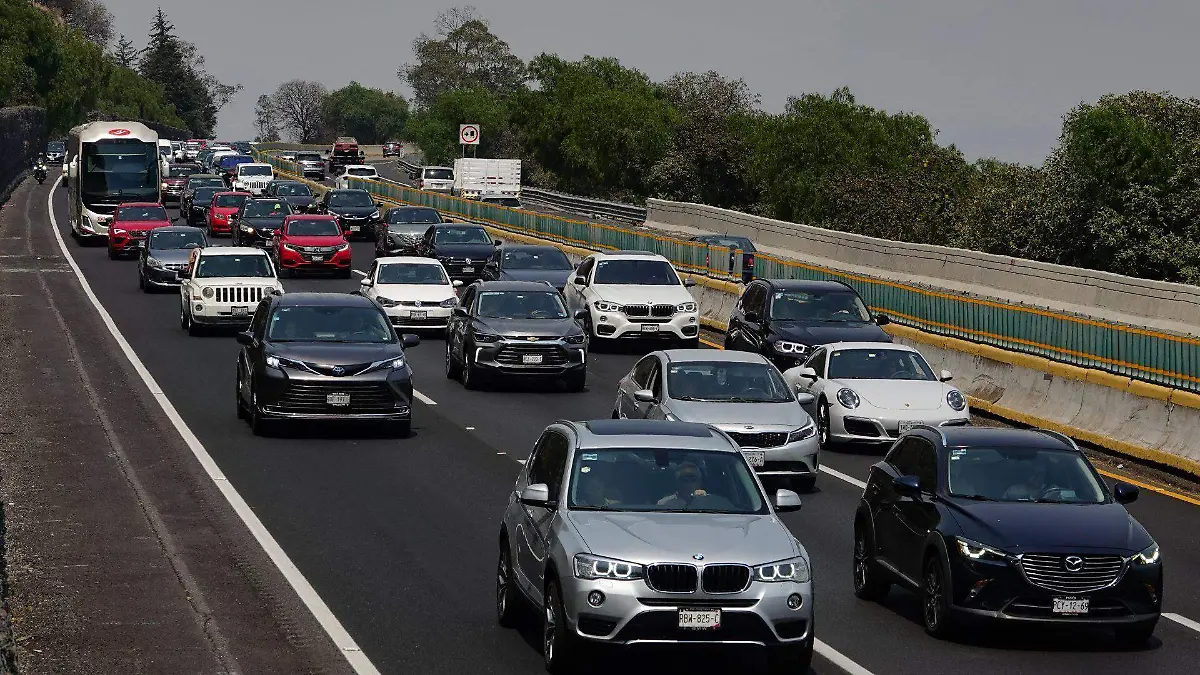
(878, 364)
(659, 480)
(439, 174)
(647, 272)
(350, 198)
(361, 172)
(412, 274)
(204, 195)
(1019, 474)
(251, 265)
(832, 306)
(421, 216)
(233, 160)
(510, 202)
(141, 213)
(726, 381)
(269, 208)
(521, 305)
(329, 324)
(741, 243)
(293, 190)
(56, 146)
(166, 241)
(119, 168)
(308, 157)
(182, 171)
(535, 259)
(228, 200)
(254, 171)
(316, 227)
(461, 235)
(204, 182)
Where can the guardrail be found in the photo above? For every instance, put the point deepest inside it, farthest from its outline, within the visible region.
(585, 205)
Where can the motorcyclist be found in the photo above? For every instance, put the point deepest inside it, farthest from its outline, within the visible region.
(40, 161)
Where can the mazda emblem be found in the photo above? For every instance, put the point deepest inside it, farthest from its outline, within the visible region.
(338, 370)
(1073, 563)
(698, 556)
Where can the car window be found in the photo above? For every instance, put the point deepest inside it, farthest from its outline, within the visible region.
(167, 241)
(658, 480)
(817, 362)
(754, 299)
(550, 461)
(266, 208)
(825, 306)
(413, 274)
(461, 235)
(291, 190)
(1022, 474)
(322, 323)
(914, 456)
(182, 171)
(361, 172)
(349, 198)
(439, 174)
(585, 268)
(254, 171)
(143, 213)
(639, 272)
(313, 227)
(656, 379)
(642, 371)
(468, 299)
(414, 216)
(726, 381)
(258, 325)
(251, 265)
(308, 157)
(878, 364)
(521, 305)
(535, 259)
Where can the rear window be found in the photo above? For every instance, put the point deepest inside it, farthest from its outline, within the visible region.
(231, 200)
(142, 213)
(308, 157)
(325, 227)
(182, 171)
(362, 172)
(439, 174)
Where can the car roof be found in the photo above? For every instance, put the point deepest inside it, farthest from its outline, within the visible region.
(965, 437)
(726, 355)
(431, 166)
(359, 166)
(411, 259)
(515, 286)
(457, 224)
(413, 208)
(177, 228)
(628, 255)
(530, 247)
(808, 285)
(324, 299)
(233, 250)
(137, 204)
(311, 216)
(204, 175)
(893, 346)
(627, 433)
(233, 192)
(339, 190)
(253, 164)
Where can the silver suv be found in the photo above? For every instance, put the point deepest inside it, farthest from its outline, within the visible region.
(649, 531)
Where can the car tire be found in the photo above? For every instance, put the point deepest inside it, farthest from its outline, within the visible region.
(452, 369)
(193, 329)
(935, 608)
(241, 408)
(824, 441)
(576, 382)
(471, 377)
(792, 659)
(508, 598)
(259, 426)
(869, 582)
(560, 647)
(1135, 635)
(183, 315)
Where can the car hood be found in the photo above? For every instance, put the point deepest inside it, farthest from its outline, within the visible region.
(300, 200)
(224, 210)
(741, 415)
(642, 295)
(899, 394)
(526, 327)
(431, 293)
(140, 225)
(676, 537)
(473, 251)
(826, 333)
(556, 277)
(170, 255)
(260, 223)
(1026, 527)
(359, 211)
(314, 241)
(335, 353)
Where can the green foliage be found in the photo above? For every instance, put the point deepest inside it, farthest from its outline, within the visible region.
(371, 115)
(435, 128)
(465, 54)
(178, 68)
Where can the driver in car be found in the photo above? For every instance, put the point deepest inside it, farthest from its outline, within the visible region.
(687, 487)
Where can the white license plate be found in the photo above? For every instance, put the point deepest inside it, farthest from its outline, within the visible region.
(649, 328)
(700, 619)
(907, 425)
(318, 258)
(241, 311)
(418, 315)
(338, 399)
(531, 358)
(755, 458)
(1070, 606)
(355, 228)
(468, 270)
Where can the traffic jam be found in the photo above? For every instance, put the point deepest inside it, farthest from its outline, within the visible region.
(704, 443)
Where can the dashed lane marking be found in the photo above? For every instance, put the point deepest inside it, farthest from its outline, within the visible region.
(1183, 621)
(423, 398)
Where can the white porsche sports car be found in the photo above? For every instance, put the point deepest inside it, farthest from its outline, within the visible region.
(871, 392)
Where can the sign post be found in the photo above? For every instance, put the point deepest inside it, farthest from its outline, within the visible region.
(468, 134)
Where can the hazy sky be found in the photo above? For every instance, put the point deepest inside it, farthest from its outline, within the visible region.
(994, 77)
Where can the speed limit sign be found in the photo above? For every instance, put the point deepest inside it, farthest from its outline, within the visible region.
(468, 134)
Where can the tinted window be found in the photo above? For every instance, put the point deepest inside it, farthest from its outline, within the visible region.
(266, 208)
(878, 364)
(730, 242)
(551, 460)
(642, 371)
(175, 240)
(461, 235)
(648, 272)
(755, 299)
(1023, 474)
(521, 305)
(817, 362)
(350, 198)
(251, 265)
(255, 171)
(308, 157)
(830, 306)
(412, 273)
(142, 213)
(423, 216)
(647, 480)
(535, 259)
(293, 190)
(182, 171)
(314, 228)
(128, 169)
(206, 182)
(726, 381)
(231, 200)
(329, 324)
(916, 457)
(361, 172)
(439, 174)
(204, 195)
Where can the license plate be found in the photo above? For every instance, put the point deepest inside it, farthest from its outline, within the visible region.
(318, 258)
(338, 399)
(649, 328)
(468, 270)
(531, 358)
(355, 228)
(755, 458)
(418, 315)
(700, 619)
(1070, 606)
(907, 425)
(241, 311)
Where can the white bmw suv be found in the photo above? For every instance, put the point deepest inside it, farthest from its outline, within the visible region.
(222, 286)
(632, 294)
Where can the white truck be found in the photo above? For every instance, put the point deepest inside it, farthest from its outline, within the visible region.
(253, 178)
(476, 178)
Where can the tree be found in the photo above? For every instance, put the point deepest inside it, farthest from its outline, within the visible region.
(125, 54)
(370, 115)
(264, 120)
(178, 68)
(435, 128)
(298, 108)
(463, 55)
(89, 17)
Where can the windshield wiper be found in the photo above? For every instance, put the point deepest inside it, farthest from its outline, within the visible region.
(697, 398)
(594, 508)
(978, 498)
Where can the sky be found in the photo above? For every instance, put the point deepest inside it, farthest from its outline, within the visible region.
(994, 77)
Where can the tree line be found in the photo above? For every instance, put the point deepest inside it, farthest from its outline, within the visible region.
(60, 55)
(307, 112)
(1119, 192)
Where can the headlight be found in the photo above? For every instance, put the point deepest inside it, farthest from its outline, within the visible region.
(686, 307)
(485, 337)
(207, 292)
(973, 550)
(154, 262)
(448, 303)
(247, 229)
(117, 230)
(802, 433)
(396, 363)
(575, 339)
(273, 362)
(795, 570)
(956, 399)
(1146, 557)
(605, 306)
(786, 347)
(595, 567)
(376, 214)
(289, 247)
(344, 247)
(848, 398)
(385, 302)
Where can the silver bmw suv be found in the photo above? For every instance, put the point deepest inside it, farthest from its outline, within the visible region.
(649, 531)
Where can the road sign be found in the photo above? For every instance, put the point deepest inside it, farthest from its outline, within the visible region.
(468, 134)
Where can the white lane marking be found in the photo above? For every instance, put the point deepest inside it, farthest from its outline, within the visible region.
(308, 595)
(423, 398)
(838, 659)
(1183, 621)
(841, 476)
(359, 272)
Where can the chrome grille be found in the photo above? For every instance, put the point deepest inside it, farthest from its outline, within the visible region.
(1050, 571)
(316, 249)
(512, 355)
(636, 310)
(672, 578)
(725, 578)
(765, 439)
(246, 294)
(310, 397)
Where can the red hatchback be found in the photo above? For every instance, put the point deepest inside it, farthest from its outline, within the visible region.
(311, 243)
(131, 224)
(223, 205)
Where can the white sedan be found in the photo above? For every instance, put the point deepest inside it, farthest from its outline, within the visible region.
(363, 171)
(871, 392)
(415, 293)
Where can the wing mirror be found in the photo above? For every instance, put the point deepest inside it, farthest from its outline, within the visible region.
(809, 373)
(882, 320)
(689, 283)
(643, 396)
(580, 281)
(752, 316)
(787, 501)
(581, 314)
(246, 338)
(907, 486)
(460, 312)
(1125, 493)
(457, 283)
(537, 494)
(497, 242)
(410, 340)
(366, 282)
(945, 376)
(804, 398)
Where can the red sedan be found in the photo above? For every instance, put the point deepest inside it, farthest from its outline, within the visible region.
(311, 243)
(131, 224)
(224, 204)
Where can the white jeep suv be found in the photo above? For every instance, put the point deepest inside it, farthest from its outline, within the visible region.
(363, 171)
(222, 285)
(631, 294)
(253, 178)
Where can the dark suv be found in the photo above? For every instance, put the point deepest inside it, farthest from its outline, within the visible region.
(462, 248)
(783, 319)
(1005, 524)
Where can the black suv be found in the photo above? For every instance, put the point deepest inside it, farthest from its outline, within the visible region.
(295, 193)
(1005, 524)
(256, 223)
(323, 356)
(462, 248)
(356, 213)
(515, 329)
(402, 229)
(783, 319)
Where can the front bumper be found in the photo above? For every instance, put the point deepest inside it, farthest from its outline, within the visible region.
(163, 276)
(219, 226)
(256, 237)
(304, 262)
(883, 426)
(423, 317)
(125, 244)
(524, 358)
(173, 192)
(356, 227)
(616, 325)
(465, 270)
(210, 313)
(295, 394)
(781, 459)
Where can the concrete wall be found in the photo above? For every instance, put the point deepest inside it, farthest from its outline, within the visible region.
(1161, 305)
(22, 136)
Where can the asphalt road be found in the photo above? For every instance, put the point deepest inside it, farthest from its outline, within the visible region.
(399, 536)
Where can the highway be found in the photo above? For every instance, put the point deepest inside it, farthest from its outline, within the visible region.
(398, 537)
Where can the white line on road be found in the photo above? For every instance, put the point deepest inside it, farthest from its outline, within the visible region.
(838, 659)
(359, 272)
(308, 595)
(1183, 621)
(423, 398)
(841, 476)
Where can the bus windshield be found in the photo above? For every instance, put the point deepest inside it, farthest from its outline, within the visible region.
(119, 168)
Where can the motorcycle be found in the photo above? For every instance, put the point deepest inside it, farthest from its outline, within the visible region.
(39, 172)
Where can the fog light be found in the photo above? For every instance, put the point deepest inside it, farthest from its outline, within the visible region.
(977, 588)
(691, 319)
(199, 307)
(1153, 593)
(794, 601)
(603, 319)
(595, 598)
(401, 409)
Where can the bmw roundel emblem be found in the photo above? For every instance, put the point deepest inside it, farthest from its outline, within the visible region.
(698, 556)
(338, 370)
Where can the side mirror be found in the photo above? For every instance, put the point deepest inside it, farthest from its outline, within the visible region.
(643, 396)
(496, 242)
(185, 274)
(752, 316)
(689, 283)
(460, 312)
(580, 281)
(537, 494)
(410, 340)
(457, 283)
(787, 501)
(1125, 493)
(945, 376)
(366, 282)
(809, 373)
(581, 314)
(245, 338)
(907, 486)
(882, 320)
(804, 398)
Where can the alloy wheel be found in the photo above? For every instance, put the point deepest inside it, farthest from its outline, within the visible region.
(860, 561)
(931, 603)
(550, 626)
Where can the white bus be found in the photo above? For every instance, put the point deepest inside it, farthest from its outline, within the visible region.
(109, 163)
